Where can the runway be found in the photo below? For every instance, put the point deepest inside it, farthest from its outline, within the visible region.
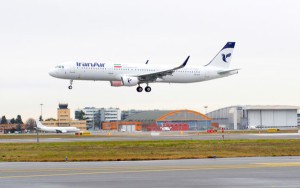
(137, 137)
(229, 172)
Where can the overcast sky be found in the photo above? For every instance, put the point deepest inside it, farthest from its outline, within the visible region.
(37, 35)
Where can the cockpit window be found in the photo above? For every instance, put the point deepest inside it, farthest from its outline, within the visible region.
(59, 67)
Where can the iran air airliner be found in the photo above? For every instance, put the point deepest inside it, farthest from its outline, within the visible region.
(135, 75)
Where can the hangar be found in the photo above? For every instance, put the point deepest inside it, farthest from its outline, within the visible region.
(259, 116)
(176, 120)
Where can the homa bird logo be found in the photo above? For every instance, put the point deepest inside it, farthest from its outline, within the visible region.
(224, 57)
(129, 80)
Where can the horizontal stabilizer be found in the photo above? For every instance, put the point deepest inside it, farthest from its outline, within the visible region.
(228, 71)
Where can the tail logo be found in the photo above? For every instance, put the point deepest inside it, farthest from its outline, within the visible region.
(224, 57)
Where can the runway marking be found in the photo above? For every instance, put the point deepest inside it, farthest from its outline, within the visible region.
(120, 167)
(137, 169)
(281, 164)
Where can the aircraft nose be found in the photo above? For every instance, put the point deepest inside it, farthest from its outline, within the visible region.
(52, 72)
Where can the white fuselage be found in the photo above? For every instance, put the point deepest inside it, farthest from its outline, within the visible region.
(59, 129)
(44, 128)
(110, 72)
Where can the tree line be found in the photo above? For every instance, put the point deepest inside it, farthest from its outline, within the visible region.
(17, 120)
(29, 125)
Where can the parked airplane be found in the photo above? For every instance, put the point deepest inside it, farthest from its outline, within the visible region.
(42, 127)
(166, 128)
(132, 75)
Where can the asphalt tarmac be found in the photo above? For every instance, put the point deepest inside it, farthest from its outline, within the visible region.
(137, 137)
(230, 172)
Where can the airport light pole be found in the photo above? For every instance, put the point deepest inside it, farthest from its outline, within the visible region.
(205, 107)
(41, 111)
(37, 135)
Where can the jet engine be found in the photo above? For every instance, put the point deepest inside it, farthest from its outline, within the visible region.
(116, 83)
(130, 81)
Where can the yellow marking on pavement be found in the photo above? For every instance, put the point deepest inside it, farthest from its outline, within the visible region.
(281, 164)
(115, 168)
(107, 172)
(135, 169)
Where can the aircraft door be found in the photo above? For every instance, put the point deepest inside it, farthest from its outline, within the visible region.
(206, 75)
(74, 74)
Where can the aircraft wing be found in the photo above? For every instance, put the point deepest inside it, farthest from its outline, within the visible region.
(153, 76)
(61, 130)
(58, 131)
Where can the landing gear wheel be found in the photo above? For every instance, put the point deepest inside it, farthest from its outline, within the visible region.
(139, 89)
(148, 89)
(70, 86)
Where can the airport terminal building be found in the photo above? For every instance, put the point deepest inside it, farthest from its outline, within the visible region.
(260, 116)
(64, 119)
(174, 120)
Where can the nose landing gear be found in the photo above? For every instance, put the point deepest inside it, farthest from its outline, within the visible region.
(70, 86)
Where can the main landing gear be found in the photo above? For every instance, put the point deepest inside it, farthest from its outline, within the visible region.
(140, 89)
(70, 86)
(147, 88)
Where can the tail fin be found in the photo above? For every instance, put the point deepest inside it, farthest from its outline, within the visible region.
(222, 59)
(39, 124)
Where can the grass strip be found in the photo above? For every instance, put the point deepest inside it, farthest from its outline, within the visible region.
(146, 150)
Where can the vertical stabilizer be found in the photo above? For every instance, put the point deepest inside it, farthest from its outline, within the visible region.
(222, 59)
(39, 124)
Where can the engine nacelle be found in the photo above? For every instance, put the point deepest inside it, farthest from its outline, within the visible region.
(130, 81)
(116, 83)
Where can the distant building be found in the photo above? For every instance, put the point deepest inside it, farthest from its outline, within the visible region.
(92, 116)
(261, 116)
(124, 126)
(110, 114)
(95, 116)
(126, 113)
(64, 119)
(175, 120)
(11, 128)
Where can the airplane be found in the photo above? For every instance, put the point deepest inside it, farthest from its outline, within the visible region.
(135, 75)
(166, 128)
(258, 127)
(42, 127)
(253, 127)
